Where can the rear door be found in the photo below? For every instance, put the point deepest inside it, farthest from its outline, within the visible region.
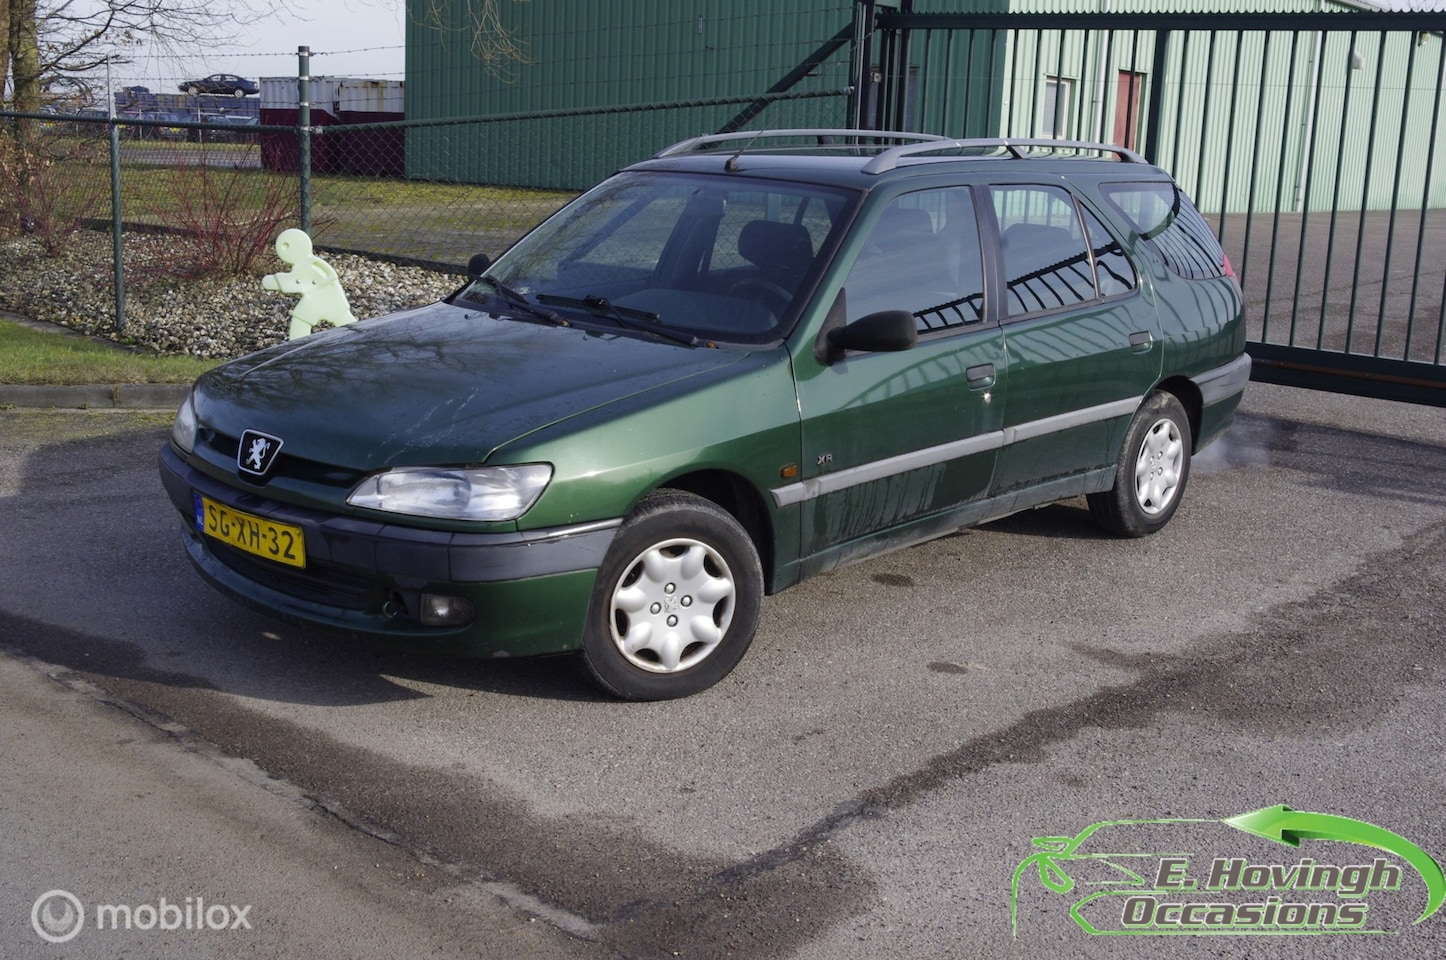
(1081, 337)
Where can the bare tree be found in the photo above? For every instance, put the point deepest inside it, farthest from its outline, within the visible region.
(4, 46)
(49, 40)
(479, 22)
(22, 60)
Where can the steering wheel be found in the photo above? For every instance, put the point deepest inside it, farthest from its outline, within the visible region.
(745, 288)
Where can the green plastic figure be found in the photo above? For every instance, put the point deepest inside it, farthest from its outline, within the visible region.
(322, 298)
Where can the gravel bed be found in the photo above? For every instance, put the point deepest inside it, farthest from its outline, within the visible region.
(167, 313)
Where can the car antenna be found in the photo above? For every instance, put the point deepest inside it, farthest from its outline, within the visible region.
(732, 165)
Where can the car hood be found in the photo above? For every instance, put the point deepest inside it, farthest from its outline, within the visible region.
(437, 385)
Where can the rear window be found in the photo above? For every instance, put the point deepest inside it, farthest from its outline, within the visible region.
(1167, 221)
(1050, 261)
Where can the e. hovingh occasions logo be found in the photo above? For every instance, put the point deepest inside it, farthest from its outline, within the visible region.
(1115, 888)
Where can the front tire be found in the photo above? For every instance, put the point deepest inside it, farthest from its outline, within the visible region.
(1151, 472)
(676, 601)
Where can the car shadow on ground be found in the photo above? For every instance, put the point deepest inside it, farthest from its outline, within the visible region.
(67, 574)
(321, 669)
(94, 579)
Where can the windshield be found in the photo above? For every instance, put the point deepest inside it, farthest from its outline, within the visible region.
(712, 258)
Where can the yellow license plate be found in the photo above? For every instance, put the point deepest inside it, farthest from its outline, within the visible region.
(281, 542)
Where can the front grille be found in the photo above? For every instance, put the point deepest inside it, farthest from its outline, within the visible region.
(224, 448)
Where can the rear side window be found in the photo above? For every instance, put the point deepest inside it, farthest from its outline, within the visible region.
(1167, 221)
(1046, 257)
(1114, 273)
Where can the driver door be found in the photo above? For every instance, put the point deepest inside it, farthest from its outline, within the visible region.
(894, 442)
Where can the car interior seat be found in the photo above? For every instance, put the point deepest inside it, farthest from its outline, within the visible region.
(781, 252)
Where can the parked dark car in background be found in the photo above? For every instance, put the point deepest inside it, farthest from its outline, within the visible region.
(236, 128)
(225, 84)
(745, 362)
(136, 96)
(148, 132)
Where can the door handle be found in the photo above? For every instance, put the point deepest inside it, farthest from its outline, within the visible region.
(1141, 341)
(980, 377)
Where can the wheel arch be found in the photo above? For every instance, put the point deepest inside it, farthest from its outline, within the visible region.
(1185, 390)
(739, 498)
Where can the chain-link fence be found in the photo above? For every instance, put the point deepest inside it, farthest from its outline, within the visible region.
(218, 189)
(426, 215)
(422, 152)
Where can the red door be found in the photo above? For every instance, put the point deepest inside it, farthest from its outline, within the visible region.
(1127, 108)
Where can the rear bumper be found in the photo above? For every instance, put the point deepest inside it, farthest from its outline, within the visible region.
(1221, 390)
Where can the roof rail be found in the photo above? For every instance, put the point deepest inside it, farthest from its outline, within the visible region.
(748, 136)
(1018, 149)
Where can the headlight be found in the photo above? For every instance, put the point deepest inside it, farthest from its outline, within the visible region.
(479, 493)
(183, 431)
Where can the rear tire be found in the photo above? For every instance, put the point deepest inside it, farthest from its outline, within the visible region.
(1151, 472)
(676, 601)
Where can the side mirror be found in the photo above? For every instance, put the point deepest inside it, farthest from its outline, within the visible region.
(478, 265)
(887, 331)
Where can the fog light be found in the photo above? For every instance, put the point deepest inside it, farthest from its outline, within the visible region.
(440, 611)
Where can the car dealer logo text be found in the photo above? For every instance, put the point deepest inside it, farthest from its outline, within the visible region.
(1131, 877)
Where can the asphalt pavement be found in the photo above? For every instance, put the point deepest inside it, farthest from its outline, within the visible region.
(944, 752)
(134, 837)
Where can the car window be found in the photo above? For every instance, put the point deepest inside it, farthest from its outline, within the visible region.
(922, 255)
(631, 237)
(718, 258)
(1046, 260)
(1114, 273)
(802, 215)
(1168, 222)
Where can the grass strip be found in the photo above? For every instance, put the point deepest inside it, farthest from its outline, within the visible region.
(29, 356)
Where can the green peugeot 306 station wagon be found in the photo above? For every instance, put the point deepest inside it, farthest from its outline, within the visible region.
(750, 359)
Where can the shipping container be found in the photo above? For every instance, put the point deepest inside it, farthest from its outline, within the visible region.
(336, 101)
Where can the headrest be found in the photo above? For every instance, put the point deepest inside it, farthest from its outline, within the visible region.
(781, 247)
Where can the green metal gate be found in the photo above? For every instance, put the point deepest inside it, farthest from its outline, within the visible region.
(1314, 142)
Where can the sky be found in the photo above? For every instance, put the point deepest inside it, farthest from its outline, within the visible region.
(348, 38)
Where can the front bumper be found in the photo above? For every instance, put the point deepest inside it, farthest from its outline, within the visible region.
(529, 589)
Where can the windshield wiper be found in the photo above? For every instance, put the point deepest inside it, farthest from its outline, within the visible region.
(625, 317)
(518, 300)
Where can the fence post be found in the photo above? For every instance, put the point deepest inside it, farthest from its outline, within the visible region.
(1156, 110)
(863, 46)
(303, 131)
(118, 269)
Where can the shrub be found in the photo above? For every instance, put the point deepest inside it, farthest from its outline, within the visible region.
(52, 179)
(223, 217)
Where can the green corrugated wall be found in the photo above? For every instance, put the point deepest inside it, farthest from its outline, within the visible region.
(605, 53)
(594, 53)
